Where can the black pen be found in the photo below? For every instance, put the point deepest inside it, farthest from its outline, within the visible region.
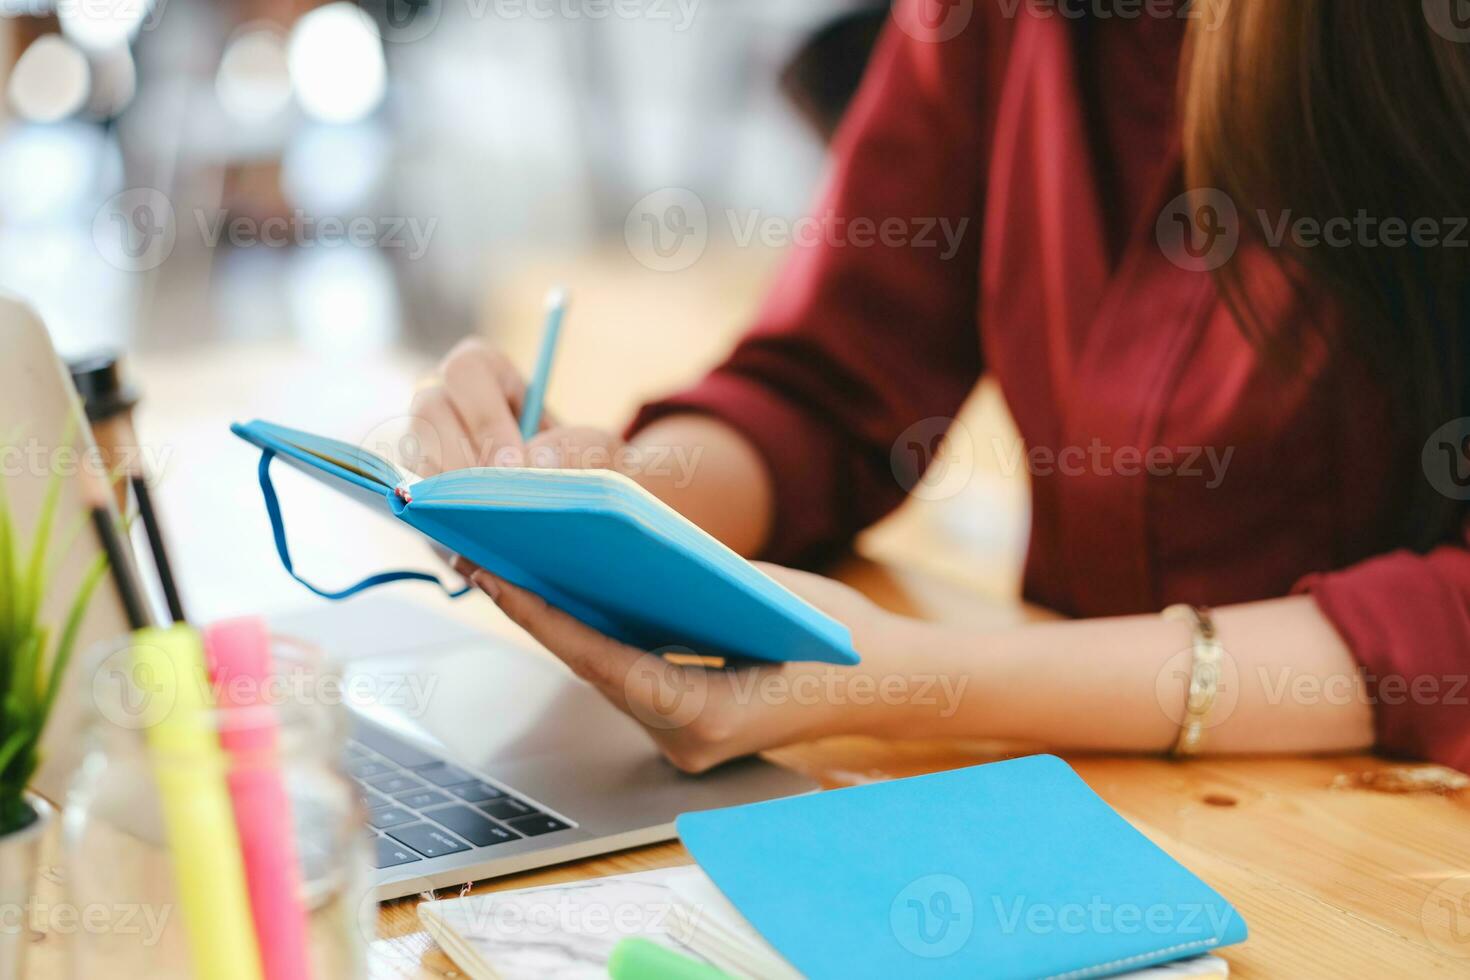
(122, 571)
(156, 544)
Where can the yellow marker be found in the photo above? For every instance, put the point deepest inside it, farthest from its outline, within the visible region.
(189, 767)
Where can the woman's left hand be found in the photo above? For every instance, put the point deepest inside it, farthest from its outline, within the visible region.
(700, 717)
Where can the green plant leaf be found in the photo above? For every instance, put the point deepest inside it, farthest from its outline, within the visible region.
(15, 812)
(20, 704)
(68, 540)
(36, 568)
(8, 633)
(31, 673)
(11, 748)
(22, 670)
(68, 639)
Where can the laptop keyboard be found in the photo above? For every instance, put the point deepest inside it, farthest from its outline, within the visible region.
(420, 806)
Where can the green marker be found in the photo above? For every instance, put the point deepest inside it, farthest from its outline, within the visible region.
(642, 959)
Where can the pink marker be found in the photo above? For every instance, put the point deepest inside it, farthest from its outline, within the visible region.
(239, 658)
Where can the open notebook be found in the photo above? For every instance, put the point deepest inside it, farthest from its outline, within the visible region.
(591, 542)
(568, 931)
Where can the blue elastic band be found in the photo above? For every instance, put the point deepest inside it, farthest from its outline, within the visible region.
(278, 529)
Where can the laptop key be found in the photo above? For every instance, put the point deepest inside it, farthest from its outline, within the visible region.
(475, 792)
(367, 768)
(427, 839)
(370, 799)
(394, 783)
(536, 825)
(420, 798)
(507, 808)
(390, 816)
(473, 827)
(391, 747)
(443, 774)
(390, 854)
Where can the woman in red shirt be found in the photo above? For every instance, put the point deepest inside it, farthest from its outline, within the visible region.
(1298, 321)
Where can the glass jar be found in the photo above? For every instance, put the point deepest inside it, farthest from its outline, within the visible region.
(240, 831)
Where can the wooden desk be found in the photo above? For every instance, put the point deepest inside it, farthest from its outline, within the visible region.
(1333, 881)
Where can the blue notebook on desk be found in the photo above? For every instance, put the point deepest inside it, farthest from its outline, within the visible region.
(1015, 869)
(591, 542)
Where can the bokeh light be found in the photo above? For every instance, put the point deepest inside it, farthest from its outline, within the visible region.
(50, 81)
(335, 58)
(253, 83)
(102, 24)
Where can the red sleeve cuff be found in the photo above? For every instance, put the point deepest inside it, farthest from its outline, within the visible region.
(800, 451)
(1406, 618)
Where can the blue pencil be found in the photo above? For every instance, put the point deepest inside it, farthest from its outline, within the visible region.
(556, 311)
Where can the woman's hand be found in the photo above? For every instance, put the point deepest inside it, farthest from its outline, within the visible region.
(467, 415)
(700, 717)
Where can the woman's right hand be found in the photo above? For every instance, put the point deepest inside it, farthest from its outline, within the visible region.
(467, 414)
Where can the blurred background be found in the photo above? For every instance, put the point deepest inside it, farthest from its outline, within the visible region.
(290, 210)
(374, 174)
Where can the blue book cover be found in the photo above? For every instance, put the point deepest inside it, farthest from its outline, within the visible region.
(1014, 869)
(591, 542)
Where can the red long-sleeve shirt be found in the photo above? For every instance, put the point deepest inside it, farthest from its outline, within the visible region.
(1055, 143)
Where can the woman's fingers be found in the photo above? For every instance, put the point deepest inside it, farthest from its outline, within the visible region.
(436, 431)
(485, 390)
(673, 703)
(600, 660)
(468, 414)
(574, 448)
(512, 383)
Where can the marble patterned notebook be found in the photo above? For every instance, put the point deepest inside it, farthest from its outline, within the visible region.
(567, 932)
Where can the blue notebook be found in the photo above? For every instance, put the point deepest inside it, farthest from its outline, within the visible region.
(1015, 869)
(590, 542)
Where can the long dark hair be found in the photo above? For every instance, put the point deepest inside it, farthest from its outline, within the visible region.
(1334, 108)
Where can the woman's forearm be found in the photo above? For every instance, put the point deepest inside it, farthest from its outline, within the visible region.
(1289, 684)
(723, 484)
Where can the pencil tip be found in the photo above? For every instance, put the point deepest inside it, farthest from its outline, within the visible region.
(558, 297)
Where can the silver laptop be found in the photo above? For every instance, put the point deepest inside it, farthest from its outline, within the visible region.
(489, 758)
(500, 762)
